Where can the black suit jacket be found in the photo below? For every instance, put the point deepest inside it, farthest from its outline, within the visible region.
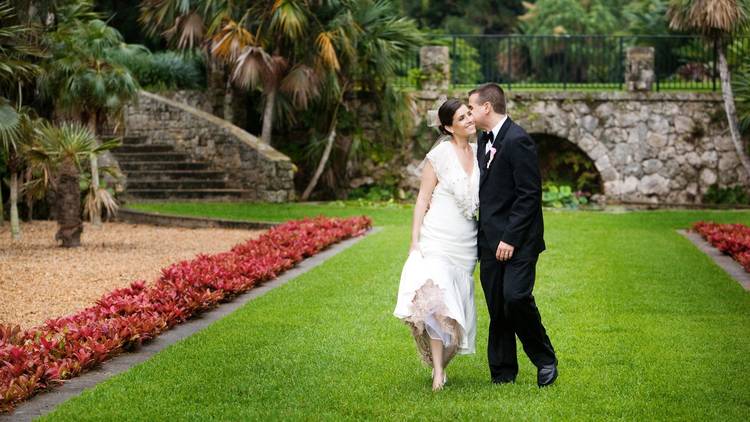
(510, 194)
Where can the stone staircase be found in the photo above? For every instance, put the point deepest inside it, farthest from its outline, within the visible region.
(158, 171)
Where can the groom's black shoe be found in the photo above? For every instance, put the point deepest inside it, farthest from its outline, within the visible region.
(546, 375)
(504, 380)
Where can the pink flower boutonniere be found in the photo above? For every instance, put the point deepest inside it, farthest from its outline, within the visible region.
(492, 156)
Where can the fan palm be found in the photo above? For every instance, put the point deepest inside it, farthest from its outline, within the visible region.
(265, 45)
(366, 40)
(60, 153)
(276, 55)
(716, 20)
(187, 25)
(81, 79)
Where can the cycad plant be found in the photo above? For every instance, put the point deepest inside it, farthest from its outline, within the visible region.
(80, 78)
(60, 153)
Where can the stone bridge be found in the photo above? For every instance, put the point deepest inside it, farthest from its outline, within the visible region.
(656, 148)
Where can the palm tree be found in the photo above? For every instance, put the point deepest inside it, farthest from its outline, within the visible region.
(188, 25)
(82, 80)
(716, 20)
(264, 45)
(275, 54)
(60, 153)
(368, 40)
(17, 56)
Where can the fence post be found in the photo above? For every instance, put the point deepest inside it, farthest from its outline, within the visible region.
(713, 74)
(620, 62)
(454, 63)
(566, 63)
(510, 65)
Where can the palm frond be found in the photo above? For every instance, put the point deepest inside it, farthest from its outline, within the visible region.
(94, 201)
(326, 51)
(708, 17)
(252, 67)
(10, 125)
(302, 84)
(228, 43)
(289, 18)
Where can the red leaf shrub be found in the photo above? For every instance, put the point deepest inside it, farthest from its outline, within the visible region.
(731, 239)
(62, 348)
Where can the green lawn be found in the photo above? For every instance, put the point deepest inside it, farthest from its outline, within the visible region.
(645, 326)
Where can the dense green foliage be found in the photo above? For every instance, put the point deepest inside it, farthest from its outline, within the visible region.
(165, 70)
(735, 195)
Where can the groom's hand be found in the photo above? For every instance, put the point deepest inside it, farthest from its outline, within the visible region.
(504, 251)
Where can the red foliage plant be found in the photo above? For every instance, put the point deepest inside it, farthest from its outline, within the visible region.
(731, 239)
(62, 348)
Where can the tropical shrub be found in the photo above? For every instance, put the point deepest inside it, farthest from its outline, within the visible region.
(563, 196)
(731, 239)
(734, 195)
(167, 70)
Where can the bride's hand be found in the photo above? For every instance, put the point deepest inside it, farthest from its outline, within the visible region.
(415, 247)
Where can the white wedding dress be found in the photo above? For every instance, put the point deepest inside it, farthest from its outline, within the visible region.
(436, 291)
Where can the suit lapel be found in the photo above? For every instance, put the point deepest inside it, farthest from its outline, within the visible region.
(498, 144)
(480, 152)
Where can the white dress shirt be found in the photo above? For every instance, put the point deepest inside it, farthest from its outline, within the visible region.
(495, 131)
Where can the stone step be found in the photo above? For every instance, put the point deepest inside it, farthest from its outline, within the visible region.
(176, 174)
(134, 166)
(188, 184)
(143, 148)
(185, 193)
(133, 140)
(151, 156)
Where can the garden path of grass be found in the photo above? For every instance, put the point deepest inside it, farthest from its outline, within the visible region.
(645, 325)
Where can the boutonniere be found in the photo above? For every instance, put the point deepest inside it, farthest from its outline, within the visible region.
(492, 156)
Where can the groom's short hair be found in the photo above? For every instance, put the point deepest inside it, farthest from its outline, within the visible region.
(492, 93)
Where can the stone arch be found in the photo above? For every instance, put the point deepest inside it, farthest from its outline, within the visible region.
(570, 127)
(549, 145)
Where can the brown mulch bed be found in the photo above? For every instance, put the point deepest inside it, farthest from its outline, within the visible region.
(40, 280)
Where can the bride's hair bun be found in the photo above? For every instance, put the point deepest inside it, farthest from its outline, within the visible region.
(446, 113)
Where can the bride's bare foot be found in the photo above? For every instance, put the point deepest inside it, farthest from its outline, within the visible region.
(438, 380)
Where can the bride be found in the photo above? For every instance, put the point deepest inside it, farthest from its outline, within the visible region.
(436, 291)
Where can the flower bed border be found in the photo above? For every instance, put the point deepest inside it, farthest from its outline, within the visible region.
(63, 348)
(724, 261)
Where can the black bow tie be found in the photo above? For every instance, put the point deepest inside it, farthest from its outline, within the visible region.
(487, 137)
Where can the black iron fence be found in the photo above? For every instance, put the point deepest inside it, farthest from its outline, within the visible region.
(682, 62)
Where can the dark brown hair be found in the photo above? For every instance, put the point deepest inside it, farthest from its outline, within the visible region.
(446, 113)
(491, 93)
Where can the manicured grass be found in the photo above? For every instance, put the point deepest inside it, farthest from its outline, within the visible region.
(646, 328)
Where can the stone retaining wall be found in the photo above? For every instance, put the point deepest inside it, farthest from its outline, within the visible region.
(265, 173)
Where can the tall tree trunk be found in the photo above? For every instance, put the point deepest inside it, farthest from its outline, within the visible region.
(15, 226)
(265, 135)
(29, 198)
(215, 79)
(726, 90)
(2, 206)
(96, 215)
(329, 146)
(321, 165)
(69, 223)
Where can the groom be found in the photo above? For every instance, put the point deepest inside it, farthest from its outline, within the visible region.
(510, 238)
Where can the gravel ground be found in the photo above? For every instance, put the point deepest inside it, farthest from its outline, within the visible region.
(40, 280)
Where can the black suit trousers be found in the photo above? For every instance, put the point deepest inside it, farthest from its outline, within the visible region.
(508, 291)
